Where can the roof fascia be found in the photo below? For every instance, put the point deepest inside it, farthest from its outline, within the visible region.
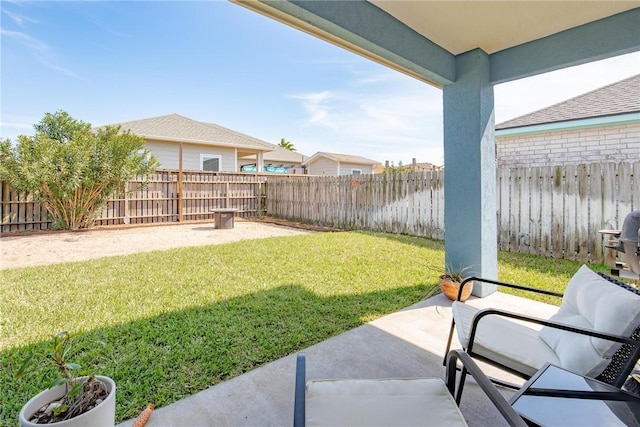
(571, 124)
(612, 36)
(365, 29)
(200, 142)
(317, 155)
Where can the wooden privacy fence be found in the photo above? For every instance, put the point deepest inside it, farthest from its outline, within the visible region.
(170, 196)
(408, 203)
(551, 211)
(558, 211)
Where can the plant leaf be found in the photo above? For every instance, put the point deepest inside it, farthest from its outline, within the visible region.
(75, 390)
(26, 363)
(58, 381)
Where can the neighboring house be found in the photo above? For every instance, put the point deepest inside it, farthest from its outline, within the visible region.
(323, 163)
(173, 139)
(280, 160)
(411, 167)
(599, 126)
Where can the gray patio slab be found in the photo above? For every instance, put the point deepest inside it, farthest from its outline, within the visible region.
(407, 343)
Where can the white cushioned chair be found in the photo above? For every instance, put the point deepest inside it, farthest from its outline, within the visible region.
(389, 402)
(597, 316)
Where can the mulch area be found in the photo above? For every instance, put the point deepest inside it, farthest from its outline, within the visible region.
(292, 224)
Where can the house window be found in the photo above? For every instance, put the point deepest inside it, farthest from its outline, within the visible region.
(356, 171)
(210, 162)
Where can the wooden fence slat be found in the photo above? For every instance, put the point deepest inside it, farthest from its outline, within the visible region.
(554, 211)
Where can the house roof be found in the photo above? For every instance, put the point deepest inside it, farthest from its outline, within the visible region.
(617, 98)
(281, 155)
(342, 158)
(174, 127)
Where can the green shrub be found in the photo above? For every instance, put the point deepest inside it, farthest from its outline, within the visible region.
(71, 170)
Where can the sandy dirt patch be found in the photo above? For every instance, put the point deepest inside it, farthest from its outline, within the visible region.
(38, 248)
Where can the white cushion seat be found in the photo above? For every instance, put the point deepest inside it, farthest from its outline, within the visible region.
(381, 402)
(590, 301)
(495, 337)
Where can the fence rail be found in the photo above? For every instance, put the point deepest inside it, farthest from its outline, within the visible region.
(406, 203)
(170, 196)
(551, 211)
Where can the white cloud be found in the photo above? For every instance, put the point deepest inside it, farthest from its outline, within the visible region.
(18, 19)
(525, 96)
(40, 50)
(382, 116)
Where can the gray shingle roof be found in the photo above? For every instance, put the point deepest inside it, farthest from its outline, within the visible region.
(281, 155)
(346, 158)
(175, 127)
(617, 98)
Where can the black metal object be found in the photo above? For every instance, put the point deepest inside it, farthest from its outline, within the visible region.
(509, 414)
(612, 402)
(616, 372)
(627, 242)
(301, 380)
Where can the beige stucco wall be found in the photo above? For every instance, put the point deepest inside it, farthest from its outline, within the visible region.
(167, 154)
(346, 168)
(573, 146)
(326, 166)
(323, 166)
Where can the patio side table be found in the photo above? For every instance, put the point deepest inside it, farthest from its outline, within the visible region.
(557, 397)
(223, 217)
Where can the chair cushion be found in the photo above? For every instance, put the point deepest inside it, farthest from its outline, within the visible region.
(504, 341)
(385, 402)
(592, 302)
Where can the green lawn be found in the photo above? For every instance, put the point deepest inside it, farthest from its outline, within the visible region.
(176, 322)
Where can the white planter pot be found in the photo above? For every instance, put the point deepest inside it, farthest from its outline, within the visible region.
(103, 415)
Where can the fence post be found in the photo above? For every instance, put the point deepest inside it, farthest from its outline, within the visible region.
(127, 214)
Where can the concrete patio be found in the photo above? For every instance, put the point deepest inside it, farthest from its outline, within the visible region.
(408, 343)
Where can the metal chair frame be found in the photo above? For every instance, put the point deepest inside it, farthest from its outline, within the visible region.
(623, 360)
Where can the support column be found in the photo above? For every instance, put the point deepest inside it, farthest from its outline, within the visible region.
(470, 171)
(260, 162)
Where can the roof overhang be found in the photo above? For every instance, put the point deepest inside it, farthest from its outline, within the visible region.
(240, 148)
(589, 122)
(423, 38)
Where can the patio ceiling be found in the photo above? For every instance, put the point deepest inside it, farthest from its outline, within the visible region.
(422, 38)
(460, 26)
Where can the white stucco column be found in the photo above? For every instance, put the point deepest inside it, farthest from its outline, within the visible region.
(260, 162)
(470, 170)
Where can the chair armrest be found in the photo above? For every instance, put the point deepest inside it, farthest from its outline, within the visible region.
(509, 414)
(507, 285)
(545, 322)
(298, 405)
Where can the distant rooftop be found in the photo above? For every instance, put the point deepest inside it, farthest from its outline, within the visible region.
(174, 127)
(344, 158)
(617, 98)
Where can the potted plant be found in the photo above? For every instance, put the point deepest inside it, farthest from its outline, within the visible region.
(71, 401)
(450, 283)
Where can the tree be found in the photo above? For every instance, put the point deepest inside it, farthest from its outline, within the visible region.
(286, 145)
(71, 170)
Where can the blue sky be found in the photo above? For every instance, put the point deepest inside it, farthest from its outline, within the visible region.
(214, 61)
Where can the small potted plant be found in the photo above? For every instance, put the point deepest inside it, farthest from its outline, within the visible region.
(450, 283)
(71, 401)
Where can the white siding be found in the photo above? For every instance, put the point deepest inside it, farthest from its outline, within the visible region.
(168, 154)
(569, 147)
(346, 168)
(323, 166)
